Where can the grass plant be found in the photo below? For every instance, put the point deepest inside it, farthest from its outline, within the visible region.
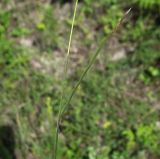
(63, 108)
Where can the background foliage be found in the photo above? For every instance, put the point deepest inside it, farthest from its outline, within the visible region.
(115, 112)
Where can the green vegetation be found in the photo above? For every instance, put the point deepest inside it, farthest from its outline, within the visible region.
(114, 113)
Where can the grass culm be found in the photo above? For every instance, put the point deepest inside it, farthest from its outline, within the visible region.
(63, 108)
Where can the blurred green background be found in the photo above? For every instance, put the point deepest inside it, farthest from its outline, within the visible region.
(115, 113)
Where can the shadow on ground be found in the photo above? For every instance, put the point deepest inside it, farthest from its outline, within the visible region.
(7, 142)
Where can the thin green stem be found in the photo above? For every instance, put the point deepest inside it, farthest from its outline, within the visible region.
(64, 78)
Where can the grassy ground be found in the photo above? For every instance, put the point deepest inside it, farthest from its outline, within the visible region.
(115, 111)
